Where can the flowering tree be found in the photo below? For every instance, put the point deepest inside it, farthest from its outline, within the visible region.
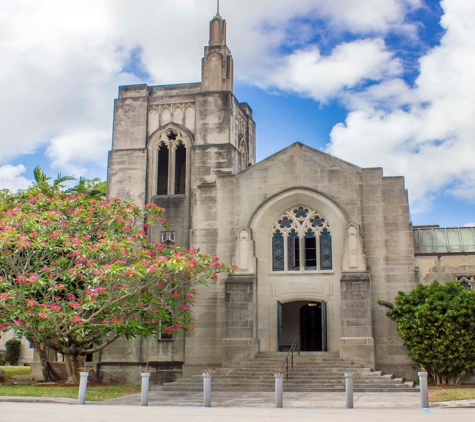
(76, 274)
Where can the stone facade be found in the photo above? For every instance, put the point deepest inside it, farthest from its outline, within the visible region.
(318, 240)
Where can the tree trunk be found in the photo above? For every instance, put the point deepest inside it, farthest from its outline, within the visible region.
(42, 351)
(43, 355)
(74, 364)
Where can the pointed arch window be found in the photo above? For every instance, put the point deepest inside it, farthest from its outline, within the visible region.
(301, 241)
(163, 169)
(171, 165)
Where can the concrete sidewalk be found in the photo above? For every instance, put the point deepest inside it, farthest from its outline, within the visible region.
(292, 400)
(40, 412)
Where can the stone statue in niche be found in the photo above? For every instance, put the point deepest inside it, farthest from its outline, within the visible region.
(244, 258)
(353, 257)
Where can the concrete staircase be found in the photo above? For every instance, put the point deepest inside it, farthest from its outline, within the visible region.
(313, 372)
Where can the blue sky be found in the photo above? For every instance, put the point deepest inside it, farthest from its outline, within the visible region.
(378, 83)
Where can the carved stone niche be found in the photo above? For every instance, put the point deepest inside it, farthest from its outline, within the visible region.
(244, 258)
(354, 260)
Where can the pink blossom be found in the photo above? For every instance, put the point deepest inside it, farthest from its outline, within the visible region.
(59, 286)
(74, 305)
(34, 277)
(42, 315)
(77, 319)
(190, 297)
(97, 272)
(70, 296)
(185, 307)
(121, 287)
(31, 303)
(117, 320)
(18, 322)
(140, 304)
(20, 279)
(5, 296)
(214, 277)
(3, 327)
(100, 289)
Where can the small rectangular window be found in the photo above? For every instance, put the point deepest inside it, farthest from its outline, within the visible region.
(168, 238)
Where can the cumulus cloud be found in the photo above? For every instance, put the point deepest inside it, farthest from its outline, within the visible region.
(425, 132)
(321, 77)
(66, 58)
(11, 177)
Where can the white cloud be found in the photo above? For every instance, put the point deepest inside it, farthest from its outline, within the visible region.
(469, 225)
(426, 133)
(63, 60)
(321, 77)
(11, 177)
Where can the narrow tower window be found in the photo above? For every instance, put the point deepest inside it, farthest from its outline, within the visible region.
(180, 169)
(162, 176)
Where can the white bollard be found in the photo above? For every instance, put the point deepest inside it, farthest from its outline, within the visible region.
(424, 389)
(145, 388)
(279, 390)
(349, 390)
(207, 389)
(83, 388)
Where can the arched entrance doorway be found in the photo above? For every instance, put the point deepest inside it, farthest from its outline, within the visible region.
(307, 318)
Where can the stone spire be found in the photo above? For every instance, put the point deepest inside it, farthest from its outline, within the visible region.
(217, 65)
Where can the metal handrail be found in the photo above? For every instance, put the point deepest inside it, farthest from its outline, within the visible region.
(284, 369)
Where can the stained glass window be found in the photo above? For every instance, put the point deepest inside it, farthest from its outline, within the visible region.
(301, 241)
(326, 250)
(278, 252)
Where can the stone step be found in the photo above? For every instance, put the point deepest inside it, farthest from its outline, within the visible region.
(298, 389)
(397, 384)
(311, 372)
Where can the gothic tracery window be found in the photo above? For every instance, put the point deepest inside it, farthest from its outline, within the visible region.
(468, 282)
(171, 171)
(301, 241)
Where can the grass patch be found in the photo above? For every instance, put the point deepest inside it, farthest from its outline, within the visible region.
(12, 371)
(94, 393)
(446, 394)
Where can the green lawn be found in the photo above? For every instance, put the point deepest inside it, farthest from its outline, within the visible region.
(93, 393)
(11, 371)
(446, 394)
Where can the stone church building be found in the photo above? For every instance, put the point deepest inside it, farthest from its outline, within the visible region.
(318, 240)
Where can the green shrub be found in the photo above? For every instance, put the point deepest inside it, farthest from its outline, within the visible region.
(13, 347)
(437, 324)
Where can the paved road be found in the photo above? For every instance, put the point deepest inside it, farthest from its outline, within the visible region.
(42, 412)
